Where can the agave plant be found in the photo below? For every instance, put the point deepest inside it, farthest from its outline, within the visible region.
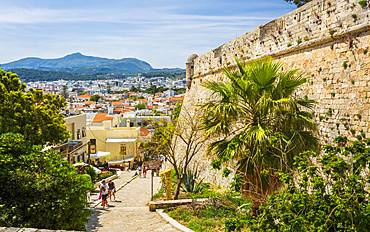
(191, 182)
(258, 122)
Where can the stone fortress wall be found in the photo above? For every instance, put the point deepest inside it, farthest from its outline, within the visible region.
(328, 40)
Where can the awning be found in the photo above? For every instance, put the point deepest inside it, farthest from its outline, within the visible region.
(111, 140)
(80, 164)
(121, 161)
(99, 154)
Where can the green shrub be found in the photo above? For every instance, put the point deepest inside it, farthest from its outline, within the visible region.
(39, 188)
(159, 194)
(90, 170)
(327, 195)
(224, 212)
(363, 3)
(237, 183)
(106, 174)
(234, 224)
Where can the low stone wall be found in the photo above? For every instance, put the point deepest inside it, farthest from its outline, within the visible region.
(153, 205)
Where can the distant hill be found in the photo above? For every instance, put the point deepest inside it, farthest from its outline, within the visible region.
(29, 75)
(81, 64)
(77, 66)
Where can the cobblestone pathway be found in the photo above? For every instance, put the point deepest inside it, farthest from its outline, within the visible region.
(129, 212)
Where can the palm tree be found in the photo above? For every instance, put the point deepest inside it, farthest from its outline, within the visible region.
(258, 122)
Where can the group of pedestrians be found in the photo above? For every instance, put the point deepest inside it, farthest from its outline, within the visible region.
(107, 190)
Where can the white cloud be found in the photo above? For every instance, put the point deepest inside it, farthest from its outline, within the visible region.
(157, 34)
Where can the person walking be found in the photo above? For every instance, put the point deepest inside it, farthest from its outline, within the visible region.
(104, 194)
(111, 190)
(144, 171)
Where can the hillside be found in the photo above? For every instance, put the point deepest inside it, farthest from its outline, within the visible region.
(29, 75)
(78, 63)
(77, 66)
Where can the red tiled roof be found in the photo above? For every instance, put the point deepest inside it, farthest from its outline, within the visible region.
(100, 117)
(144, 131)
(142, 100)
(176, 98)
(84, 96)
(117, 103)
(118, 110)
(87, 103)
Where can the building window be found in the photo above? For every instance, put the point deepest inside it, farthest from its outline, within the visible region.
(83, 132)
(78, 134)
(123, 149)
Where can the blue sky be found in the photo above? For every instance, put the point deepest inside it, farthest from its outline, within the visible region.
(161, 32)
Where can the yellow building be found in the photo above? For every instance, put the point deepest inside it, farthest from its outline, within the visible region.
(75, 149)
(113, 144)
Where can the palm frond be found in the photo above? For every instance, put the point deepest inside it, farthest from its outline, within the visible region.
(264, 125)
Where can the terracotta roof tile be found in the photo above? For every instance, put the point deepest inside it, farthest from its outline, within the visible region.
(117, 103)
(144, 131)
(84, 96)
(100, 117)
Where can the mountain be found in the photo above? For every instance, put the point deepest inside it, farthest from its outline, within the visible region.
(81, 64)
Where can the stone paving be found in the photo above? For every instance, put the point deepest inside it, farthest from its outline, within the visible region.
(130, 211)
(123, 177)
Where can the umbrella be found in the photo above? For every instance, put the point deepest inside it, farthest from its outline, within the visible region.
(80, 164)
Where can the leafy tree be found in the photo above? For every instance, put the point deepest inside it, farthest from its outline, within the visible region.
(327, 193)
(42, 75)
(180, 90)
(109, 89)
(65, 92)
(95, 98)
(134, 89)
(185, 136)
(298, 2)
(153, 89)
(140, 106)
(176, 111)
(30, 112)
(258, 122)
(39, 189)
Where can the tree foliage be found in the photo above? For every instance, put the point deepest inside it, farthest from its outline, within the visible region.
(298, 2)
(258, 122)
(179, 143)
(95, 98)
(140, 106)
(39, 189)
(328, 193)
(30, 112)
(153, 89)
(176, 111)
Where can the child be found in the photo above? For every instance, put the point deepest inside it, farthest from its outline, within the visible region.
(144, 171)
(111, 190)
(104, 196)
